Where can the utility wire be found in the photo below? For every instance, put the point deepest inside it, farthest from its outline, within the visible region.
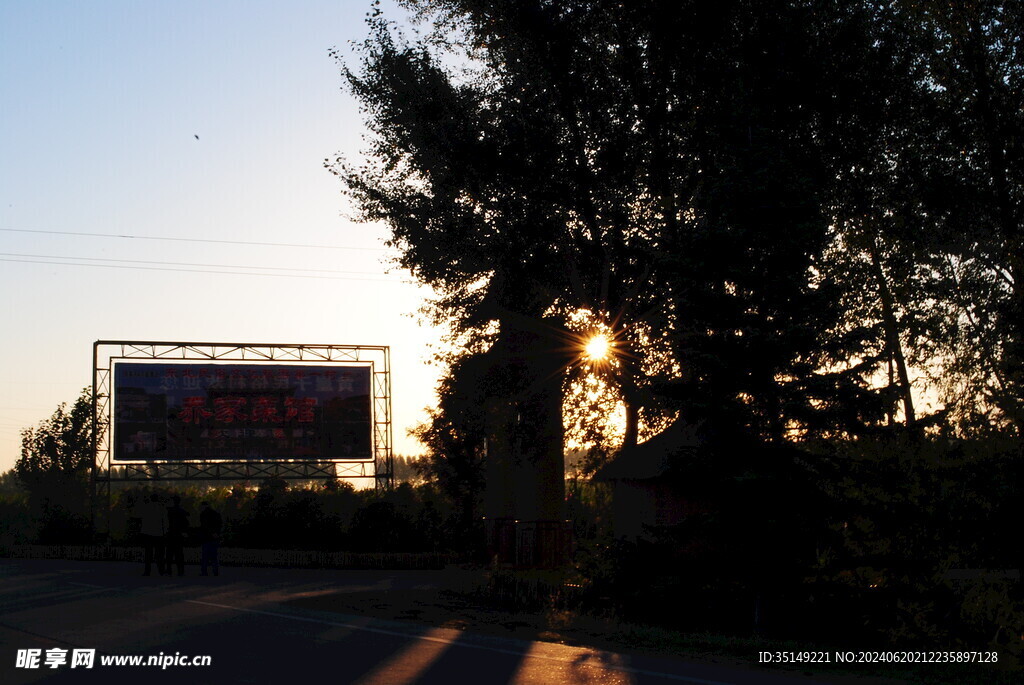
(203, 271)
(193, 240)
(212, 266)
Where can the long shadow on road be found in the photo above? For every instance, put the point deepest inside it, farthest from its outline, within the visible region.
(277, 625)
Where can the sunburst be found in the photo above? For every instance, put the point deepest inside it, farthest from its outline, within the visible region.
(598, 347)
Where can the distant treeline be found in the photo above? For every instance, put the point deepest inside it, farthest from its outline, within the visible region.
(330, 516)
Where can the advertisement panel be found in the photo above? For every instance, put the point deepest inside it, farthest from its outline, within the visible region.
(241, 412)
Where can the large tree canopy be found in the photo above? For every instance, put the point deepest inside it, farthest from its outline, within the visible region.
(56, 456)
(766, 203)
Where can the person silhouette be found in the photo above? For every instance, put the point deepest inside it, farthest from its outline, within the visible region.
(210, 524)
(153, 529)
(177, 527)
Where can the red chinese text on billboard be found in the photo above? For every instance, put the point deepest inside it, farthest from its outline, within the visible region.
(300, 408)
(264, 410)
(194, 410)
(231, 409)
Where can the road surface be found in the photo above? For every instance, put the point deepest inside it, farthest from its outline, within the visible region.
(249, 625)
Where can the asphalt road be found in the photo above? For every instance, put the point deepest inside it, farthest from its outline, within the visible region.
(246, 621)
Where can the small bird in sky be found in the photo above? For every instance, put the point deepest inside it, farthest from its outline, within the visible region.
(197, 137)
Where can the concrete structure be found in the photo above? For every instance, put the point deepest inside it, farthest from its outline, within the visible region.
(524, 502)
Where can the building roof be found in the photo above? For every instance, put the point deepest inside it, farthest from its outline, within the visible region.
(657, 457)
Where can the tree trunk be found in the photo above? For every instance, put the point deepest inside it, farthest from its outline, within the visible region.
(525, 494)
(892, 335)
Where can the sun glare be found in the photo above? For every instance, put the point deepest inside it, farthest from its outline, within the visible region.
(598, 348)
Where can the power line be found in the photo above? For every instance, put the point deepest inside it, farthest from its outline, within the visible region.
(185, 270)
(212, 266)
(193, 240)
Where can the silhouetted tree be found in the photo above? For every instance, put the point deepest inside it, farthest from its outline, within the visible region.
(927, 200)
(10, 483)
(56, 456)
(406, 470)
(974, 66)
(790, 215)
(657, 165)
(455, 436)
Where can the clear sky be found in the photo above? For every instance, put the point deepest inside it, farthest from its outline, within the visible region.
(101, 104)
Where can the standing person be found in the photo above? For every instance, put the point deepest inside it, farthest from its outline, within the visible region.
(153, 529)
(209, 525)
(177, 527)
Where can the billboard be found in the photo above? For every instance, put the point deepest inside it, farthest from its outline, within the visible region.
(189, 411)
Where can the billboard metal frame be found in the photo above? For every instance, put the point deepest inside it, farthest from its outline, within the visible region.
(105, 471)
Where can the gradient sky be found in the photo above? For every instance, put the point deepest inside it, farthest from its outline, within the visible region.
(100, 106)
